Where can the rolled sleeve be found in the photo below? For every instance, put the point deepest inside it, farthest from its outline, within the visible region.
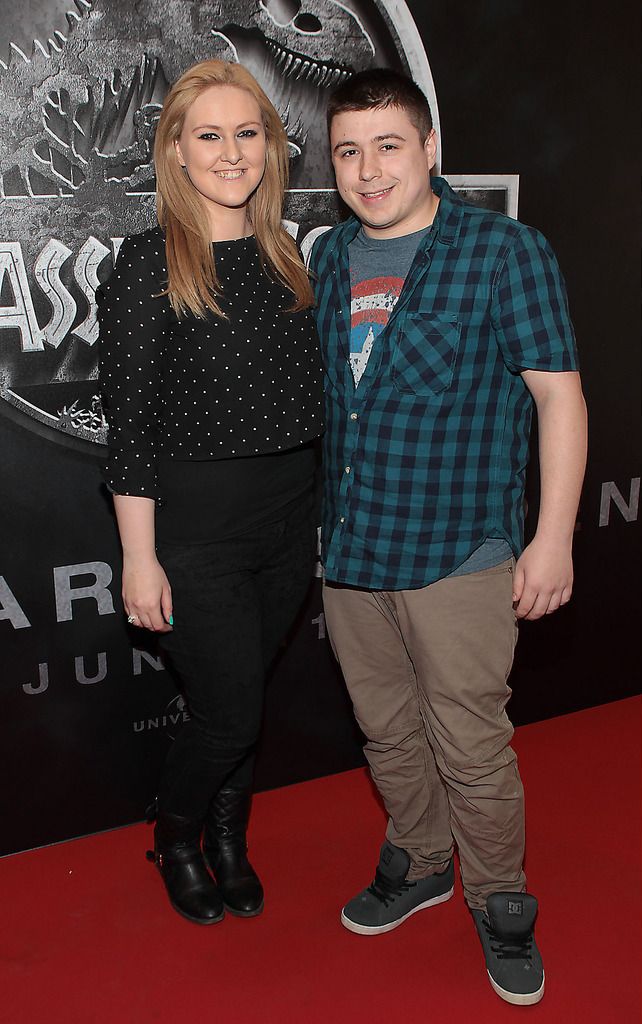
(133, 323)
(529, 310)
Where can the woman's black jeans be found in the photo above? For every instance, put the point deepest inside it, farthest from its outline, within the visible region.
(233, 602)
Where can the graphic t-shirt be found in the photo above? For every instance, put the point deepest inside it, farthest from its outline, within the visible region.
(373, 294)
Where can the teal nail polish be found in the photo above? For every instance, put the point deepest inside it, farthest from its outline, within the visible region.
(171, 620)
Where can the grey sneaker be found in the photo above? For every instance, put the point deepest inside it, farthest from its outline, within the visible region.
(513, 960)
(390, 900)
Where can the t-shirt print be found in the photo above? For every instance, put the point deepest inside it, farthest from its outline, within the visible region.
(371, 305)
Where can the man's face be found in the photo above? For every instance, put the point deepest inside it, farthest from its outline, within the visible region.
(383, 170)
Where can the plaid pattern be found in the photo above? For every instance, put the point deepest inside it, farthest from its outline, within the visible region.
(427, 457)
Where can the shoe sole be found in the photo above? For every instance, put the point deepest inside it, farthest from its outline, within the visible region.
(197, 920)
(244, 913)
(517, 998)
(365, 929)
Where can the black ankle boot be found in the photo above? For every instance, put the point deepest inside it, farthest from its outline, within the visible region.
(177, 855)
(225, 850)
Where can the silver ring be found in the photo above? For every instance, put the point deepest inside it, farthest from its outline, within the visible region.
(131, 619)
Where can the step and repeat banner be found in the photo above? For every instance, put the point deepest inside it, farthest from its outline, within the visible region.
(88, 709)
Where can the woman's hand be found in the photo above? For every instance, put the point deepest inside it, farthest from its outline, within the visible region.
(147, 595)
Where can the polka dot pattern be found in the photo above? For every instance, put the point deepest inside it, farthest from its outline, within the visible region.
(190, 388)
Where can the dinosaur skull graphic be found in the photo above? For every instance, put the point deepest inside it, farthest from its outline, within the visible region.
(300, 50)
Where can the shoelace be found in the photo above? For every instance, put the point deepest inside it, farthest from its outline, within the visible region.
(514, 950)
(387, 890)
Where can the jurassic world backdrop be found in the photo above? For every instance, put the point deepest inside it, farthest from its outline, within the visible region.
(520, 93)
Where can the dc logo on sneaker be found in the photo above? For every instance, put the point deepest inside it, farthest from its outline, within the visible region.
(515, 907)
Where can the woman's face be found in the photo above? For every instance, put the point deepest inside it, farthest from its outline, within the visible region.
(223, 149)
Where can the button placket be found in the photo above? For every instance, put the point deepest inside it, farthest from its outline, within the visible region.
(353, 430)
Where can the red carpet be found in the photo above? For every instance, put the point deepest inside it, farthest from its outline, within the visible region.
(87, 937)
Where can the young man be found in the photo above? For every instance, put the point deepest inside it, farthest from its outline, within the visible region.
(440, 324)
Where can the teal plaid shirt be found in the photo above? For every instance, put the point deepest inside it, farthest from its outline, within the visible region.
(427, 457)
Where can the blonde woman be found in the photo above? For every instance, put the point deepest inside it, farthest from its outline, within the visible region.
(212, 390)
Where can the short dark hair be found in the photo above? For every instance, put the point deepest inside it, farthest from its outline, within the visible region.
(378, 88)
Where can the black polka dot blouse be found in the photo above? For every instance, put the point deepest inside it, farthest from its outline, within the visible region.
(193, 389)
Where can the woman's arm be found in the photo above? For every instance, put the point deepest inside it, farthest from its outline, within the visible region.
(145, 588)
(133, 326)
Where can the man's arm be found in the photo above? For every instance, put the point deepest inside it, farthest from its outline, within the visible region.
(544, 573)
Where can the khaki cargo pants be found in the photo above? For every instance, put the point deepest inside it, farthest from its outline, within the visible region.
(427, 674)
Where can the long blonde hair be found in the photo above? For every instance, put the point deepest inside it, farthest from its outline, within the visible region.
(192, 284)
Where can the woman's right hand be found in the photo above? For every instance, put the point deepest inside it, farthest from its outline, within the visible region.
(147, 594)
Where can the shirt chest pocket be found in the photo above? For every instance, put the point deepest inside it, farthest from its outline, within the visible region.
(424, 353)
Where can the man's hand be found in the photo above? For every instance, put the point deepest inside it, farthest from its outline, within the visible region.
(543, 579)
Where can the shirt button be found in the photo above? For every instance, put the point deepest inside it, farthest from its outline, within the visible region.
(353, 416)
(347, 469)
